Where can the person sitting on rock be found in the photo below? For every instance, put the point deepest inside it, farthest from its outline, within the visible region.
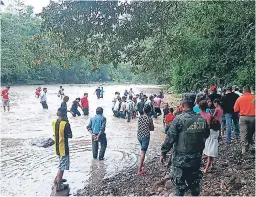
(61, 133)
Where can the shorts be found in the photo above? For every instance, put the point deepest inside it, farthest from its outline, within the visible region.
(44, 104)
(144, 142)
(64, 163)
(6, 103)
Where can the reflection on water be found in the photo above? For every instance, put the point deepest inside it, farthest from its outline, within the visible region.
(28, 170)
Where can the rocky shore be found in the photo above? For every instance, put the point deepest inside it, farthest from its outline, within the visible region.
(233, 174)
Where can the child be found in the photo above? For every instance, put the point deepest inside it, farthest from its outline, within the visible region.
(165, 112)
(97, 127)
(211, 143)
(74, 107)
(210, 109)
(38, 90)
(218, 113)
(61, 133)
(145, 125)
(168, 119)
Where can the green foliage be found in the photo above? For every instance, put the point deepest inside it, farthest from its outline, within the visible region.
(185, 44)
(33, 57)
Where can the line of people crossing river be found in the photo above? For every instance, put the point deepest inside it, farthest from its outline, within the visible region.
(193, 129)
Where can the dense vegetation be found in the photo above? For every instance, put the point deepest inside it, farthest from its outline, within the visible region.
(188, 45)
(32, 57)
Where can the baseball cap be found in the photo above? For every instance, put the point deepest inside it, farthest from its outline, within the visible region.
(213, 88)
(229, 88)
(188, 97)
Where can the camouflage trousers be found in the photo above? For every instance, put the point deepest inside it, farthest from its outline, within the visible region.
(185, 178)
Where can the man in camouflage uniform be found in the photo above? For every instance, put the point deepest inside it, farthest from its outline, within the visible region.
(187, 134)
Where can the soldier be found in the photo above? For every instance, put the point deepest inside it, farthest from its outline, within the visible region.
(187, 133)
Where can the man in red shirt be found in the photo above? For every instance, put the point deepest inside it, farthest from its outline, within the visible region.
(85, 104)
(5, 96)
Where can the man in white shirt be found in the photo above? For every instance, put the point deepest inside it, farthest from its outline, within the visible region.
(43, 99)
(117, 107)
(115, 99)
(129, 108)
(131, 93)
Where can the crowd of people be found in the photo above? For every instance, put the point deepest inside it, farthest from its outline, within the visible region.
(197, 129)
(193, 130)
(130, 105)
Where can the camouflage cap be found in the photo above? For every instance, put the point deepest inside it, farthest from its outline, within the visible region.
(188, 97)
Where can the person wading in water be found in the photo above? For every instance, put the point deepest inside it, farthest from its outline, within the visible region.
(97, 127)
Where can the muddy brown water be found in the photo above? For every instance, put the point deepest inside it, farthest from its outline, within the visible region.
(29, 170)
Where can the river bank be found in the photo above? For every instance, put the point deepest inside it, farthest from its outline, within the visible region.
(233, 174)
(24, 166)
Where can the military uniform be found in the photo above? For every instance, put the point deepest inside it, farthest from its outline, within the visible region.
(186, 136)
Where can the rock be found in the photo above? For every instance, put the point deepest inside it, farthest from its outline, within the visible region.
(168, 184)
(160, 189)
(167, 177)
(64, 192)
(42, 142)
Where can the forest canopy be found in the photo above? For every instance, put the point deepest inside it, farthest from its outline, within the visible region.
(188, 45)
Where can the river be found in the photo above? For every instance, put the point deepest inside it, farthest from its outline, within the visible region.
(29, 171)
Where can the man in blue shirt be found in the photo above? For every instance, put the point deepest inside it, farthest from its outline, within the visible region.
(97, 127)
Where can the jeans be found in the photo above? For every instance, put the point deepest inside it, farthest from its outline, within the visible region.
(229, 117)
(103, 145)
(44, 104)
(122, 114)
(75, 112)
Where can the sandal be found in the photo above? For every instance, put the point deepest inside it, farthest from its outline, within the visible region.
(62, 187)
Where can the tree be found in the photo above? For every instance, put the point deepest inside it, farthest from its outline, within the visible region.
(185, 44)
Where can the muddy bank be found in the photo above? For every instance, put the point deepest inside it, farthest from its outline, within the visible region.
(233, 174)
